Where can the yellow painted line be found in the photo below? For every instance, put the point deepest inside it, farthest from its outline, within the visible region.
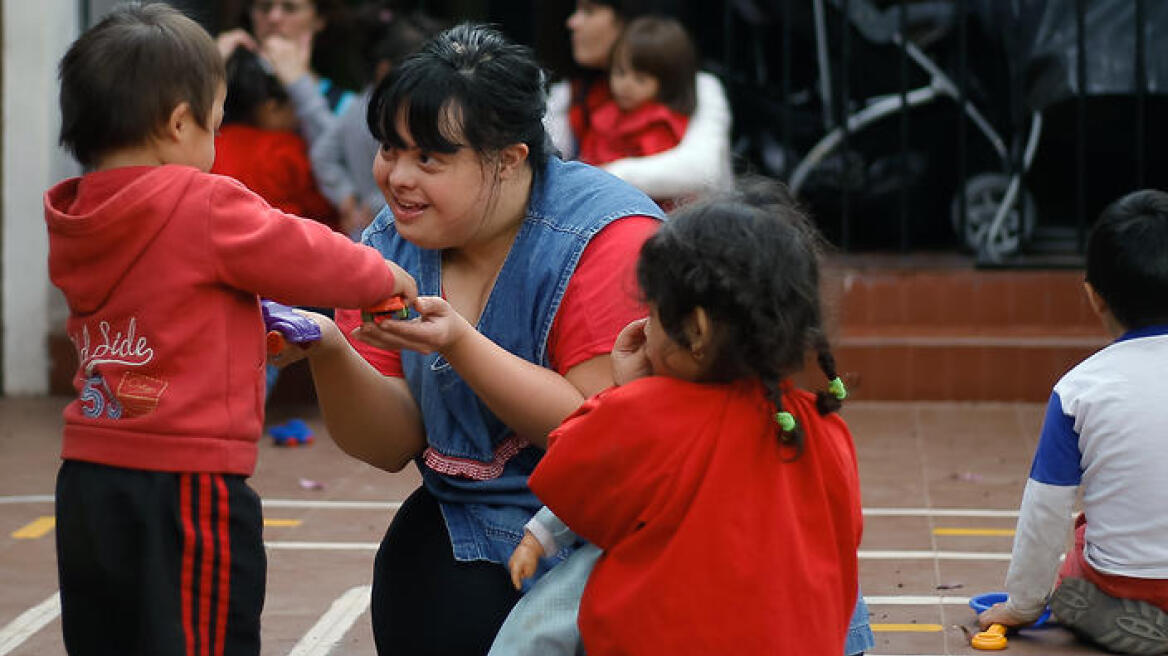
(907, 628)
(37, 528)
(282, 522)
(997, 532)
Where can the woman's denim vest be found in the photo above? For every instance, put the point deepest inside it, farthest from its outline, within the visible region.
(475, 465)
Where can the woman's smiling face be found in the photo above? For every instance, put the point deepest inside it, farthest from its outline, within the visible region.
(439, 200)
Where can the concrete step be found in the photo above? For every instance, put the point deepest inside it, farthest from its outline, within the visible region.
(930, 329)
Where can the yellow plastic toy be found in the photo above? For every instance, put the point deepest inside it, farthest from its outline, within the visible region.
(991, 639)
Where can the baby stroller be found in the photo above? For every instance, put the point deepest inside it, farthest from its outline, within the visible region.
(992, 211)
(1072, 59)
(987, 195)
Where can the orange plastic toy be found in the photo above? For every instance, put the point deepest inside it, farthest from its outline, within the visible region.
(394, 307)
(991, 639)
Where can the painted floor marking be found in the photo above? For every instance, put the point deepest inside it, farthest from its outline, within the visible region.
(330, 629)
(927, 554)
(322, 546)
(938, 512)
(28, 623)
(992, 532)
(914, 600)
(394, 505)
(291, 523)
(332, 505)
(268, 503)
(37, 528)
(907, 628)
(27, 498)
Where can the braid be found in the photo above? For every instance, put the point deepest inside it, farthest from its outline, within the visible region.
(789, 436)
(831, 400)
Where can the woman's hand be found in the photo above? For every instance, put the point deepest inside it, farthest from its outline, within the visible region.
(437, 329)
(630, 361)
(290, 58)
(228, 41)
(525, 559)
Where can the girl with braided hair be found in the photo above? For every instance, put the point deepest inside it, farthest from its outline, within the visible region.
(722, 502)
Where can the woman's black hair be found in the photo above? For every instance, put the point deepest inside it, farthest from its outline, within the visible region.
(750, 259)
(470, 84)
(249, 85)
(1127, 258)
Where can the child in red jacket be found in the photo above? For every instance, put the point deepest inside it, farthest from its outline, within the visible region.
(652, 95)
(159, 546)
(726, 501)
(258, 143)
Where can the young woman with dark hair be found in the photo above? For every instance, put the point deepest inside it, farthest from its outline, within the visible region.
(526, 265)
(302, 42)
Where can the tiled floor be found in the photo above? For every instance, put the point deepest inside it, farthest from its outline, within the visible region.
(941, 483)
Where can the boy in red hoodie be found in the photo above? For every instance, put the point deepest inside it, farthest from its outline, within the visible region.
(159, 545)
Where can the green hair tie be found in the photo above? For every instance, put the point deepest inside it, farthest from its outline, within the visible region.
(786, 421)
(836, 387)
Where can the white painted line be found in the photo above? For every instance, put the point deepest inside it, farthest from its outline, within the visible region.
(928, 554)
(395, 505)
(938, 512)
(28, 623)
(323, 546)
(909, 600)
(332, 626)
(268, 503)
(27, 498)
(867, 554)
(332, 505)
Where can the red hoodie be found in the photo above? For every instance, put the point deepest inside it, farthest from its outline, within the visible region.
(162, 268)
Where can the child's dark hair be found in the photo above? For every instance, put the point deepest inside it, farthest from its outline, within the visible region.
(751, 260)
(123, 77)
(662, 48)
(1127, 258)
(249, 85)
(401, 36)
(468, 82)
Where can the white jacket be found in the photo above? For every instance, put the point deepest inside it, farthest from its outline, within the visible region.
(699, 164)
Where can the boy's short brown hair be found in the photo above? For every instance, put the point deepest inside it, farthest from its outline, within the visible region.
(123, 77)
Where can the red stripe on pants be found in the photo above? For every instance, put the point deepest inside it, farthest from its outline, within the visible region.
(224, 565)
(208, 558)
(188, 560)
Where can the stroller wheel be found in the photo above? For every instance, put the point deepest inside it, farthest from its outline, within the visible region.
(984, 194)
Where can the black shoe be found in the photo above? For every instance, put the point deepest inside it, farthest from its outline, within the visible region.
(1126, 626)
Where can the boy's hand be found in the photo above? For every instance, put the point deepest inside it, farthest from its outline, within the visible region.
(629, 359)
(437, 328)
(329, 336)
(524, 559)
(1001, 614)
(404, 284)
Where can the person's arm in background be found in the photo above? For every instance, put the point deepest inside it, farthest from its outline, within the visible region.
(1043, 521)
(328, 159)
(700, 163)
(555, 120)
(290, 64)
